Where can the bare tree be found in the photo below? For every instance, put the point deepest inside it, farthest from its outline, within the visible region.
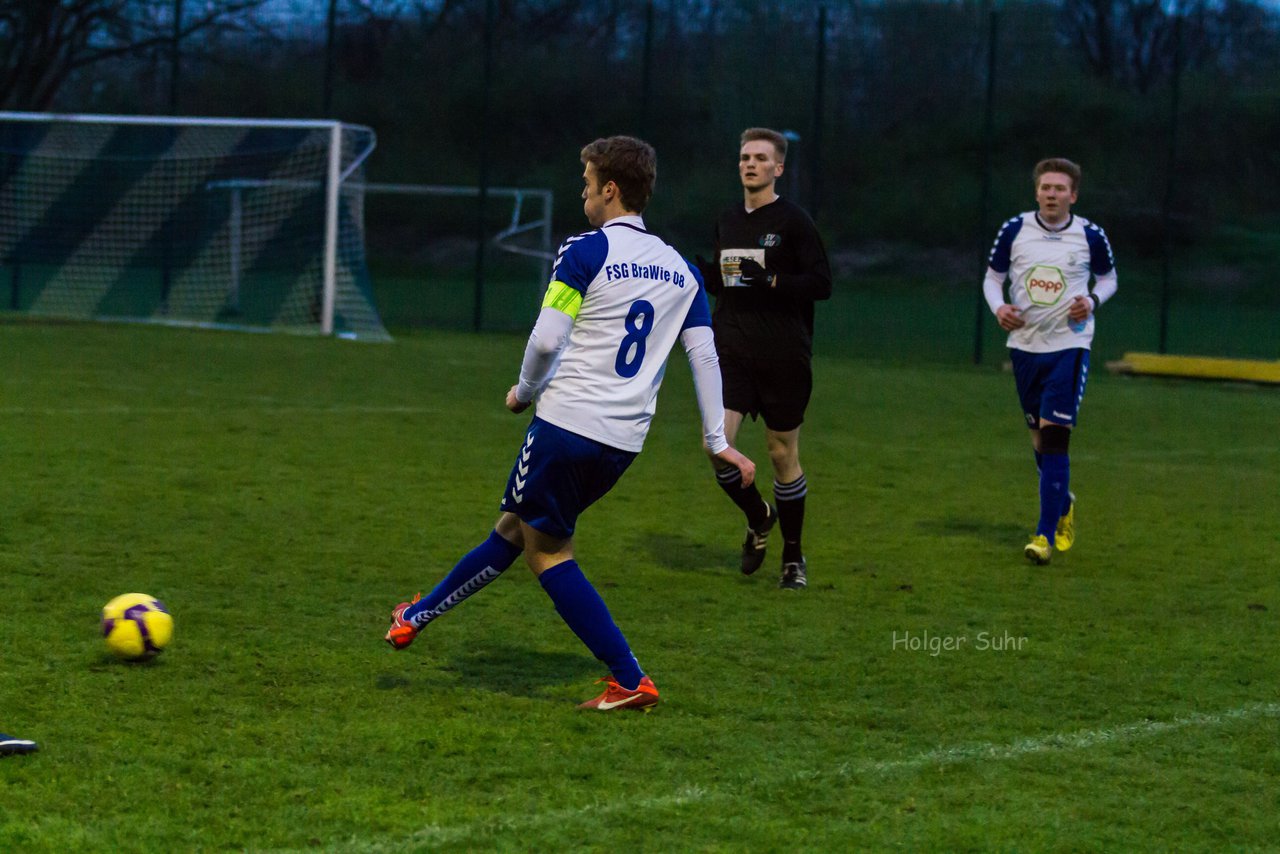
(43, 42)
(1133, 41)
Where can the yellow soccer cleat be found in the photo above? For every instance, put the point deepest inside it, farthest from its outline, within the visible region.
(1038, 551)
(1066, 533)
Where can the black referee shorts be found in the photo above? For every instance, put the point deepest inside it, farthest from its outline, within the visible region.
(775, 388)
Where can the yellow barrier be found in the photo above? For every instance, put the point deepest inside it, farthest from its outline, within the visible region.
(1198, 367)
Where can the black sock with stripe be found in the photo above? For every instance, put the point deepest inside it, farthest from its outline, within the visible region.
(790, 503)
(748, 500)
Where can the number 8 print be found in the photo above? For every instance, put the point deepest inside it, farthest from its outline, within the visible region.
(639, 324)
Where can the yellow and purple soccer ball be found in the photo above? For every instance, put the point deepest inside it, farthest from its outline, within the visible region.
(136, 626)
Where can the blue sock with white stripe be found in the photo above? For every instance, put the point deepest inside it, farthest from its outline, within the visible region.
(1055, 474)
(477, 568)
(582, 609)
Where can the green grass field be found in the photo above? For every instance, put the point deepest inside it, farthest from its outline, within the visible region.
(281, 494)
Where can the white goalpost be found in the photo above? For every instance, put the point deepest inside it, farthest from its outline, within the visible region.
(227, 223)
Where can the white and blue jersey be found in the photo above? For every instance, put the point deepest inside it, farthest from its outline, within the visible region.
(631, 295)
(1047, 269)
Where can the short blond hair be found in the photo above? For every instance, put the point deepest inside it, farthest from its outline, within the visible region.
(1058, 164)
(779, 141)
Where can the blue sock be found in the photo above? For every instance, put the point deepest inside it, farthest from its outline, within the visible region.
(481, 565)
(1055, 474)
(581, 607)
(1067, 498)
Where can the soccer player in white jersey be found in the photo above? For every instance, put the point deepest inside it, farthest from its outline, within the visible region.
(1049, 255)
(619, 298)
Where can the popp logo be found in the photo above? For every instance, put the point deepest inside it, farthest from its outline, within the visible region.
(1045, 285)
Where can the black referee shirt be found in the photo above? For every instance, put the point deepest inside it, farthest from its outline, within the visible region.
(750, 319)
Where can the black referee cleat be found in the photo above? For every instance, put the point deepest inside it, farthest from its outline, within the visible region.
(793, 577)
(10, 745)
(757, 540)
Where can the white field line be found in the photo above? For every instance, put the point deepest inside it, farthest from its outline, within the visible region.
(978, 752)
(1080, 740)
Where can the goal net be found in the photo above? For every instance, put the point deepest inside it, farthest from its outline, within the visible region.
(225, 223)
(424, 253)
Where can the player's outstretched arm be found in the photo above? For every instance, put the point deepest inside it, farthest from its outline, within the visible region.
(700, 346)
(549, 336)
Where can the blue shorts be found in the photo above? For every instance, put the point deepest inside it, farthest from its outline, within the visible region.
(1051, 385)
(557, 475)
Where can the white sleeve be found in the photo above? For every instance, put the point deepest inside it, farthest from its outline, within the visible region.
(993, 289)
(1105, 286)
(700, 345)
(542, 353)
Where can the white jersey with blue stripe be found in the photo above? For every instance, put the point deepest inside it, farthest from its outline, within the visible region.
(638, 295)
(1047, 268)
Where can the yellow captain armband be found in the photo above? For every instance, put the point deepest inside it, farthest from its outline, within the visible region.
(562, 298)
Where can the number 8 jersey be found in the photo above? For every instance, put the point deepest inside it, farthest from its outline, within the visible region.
(630, 295)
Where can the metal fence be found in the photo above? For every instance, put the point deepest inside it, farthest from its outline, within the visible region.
(915, 125)
(914, 131)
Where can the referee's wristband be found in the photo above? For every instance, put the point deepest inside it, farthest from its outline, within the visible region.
(1096, 302)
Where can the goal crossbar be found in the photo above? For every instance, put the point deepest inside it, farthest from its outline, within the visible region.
(194, 121)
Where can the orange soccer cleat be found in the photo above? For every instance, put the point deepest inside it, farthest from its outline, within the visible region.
(401, 633)
(644, 697)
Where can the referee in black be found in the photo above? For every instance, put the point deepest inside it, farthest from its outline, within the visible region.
(769, 269)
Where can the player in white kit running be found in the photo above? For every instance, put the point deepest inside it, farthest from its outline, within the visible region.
(618, 300)
(1049, 256)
